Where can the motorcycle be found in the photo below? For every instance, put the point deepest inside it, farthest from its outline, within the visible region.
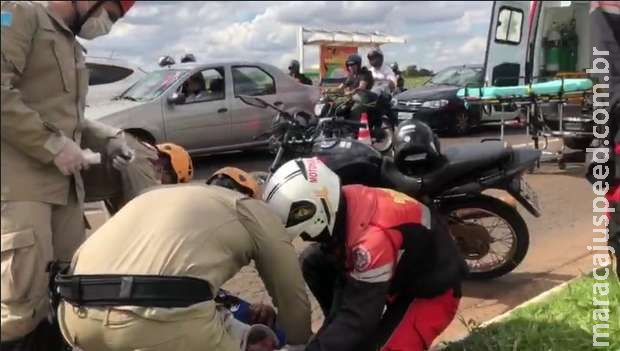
(490, 233)
(336, 104)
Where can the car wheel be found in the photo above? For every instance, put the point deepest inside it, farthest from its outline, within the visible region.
(461, 124)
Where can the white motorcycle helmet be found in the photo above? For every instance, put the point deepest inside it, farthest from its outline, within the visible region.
(305, 193)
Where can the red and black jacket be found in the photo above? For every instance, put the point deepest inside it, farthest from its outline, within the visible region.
(392, 246)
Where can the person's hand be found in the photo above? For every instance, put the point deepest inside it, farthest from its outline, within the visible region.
(70, 159)
(262, 314)
(119, 153)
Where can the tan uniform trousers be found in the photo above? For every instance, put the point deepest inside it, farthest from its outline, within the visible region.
(33, 234)
(109, 329)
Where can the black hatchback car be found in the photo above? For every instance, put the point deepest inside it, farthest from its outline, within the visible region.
(436, 103)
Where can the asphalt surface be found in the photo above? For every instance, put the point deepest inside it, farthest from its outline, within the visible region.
(259, 160)
(558, 239)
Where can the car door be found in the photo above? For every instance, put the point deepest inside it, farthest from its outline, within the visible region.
(506, 49)
(248, 122)
(202, 120)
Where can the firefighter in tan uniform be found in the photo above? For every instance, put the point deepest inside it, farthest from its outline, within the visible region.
(146, 279)
(43, 84)
(151, 166)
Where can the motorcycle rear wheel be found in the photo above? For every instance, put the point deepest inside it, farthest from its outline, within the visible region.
(480, 252)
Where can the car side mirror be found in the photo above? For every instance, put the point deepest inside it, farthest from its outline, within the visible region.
(177, 98)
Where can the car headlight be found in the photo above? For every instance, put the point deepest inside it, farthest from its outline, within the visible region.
(435, 103)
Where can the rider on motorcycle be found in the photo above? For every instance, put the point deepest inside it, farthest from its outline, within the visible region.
(359, 84)
(379, 70)
(375, 250)
(400, 81)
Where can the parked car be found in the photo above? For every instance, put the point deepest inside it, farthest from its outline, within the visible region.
(436, 104)
(161, 106)
(108, 78)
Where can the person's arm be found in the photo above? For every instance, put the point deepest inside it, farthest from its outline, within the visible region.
(363, 85)
(391, 76)
(22, 127)
(278, 267)
(363, 297)
(366, 80)
(98, 130)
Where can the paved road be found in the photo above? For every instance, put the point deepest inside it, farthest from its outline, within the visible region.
(260, 160)
(558, 239)
(557, 245)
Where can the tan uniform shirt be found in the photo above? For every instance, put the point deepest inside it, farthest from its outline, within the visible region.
(103, 183)
(44, 83)
(205, 232)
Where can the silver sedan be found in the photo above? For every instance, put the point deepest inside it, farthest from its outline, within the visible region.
(197, 105)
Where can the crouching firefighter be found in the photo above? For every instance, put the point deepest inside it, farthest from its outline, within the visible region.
(375, 249)
(146, 279)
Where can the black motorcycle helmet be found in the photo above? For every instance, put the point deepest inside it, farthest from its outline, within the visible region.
(293, 67)
(188, 58)
(375, 57)
(415, 143)
(394, 67)
(353, 60)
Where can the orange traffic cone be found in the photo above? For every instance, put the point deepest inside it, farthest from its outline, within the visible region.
(363, 134)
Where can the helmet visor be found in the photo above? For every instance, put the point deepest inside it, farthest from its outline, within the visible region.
(301, 211)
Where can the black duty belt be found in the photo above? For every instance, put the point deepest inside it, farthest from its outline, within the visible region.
(132, 290)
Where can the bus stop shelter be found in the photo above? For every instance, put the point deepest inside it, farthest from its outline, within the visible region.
(336, 46)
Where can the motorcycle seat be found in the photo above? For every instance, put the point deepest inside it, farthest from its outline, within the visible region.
(393, 178)
(463, 160)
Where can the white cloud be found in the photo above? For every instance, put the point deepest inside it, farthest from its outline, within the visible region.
(471, 18)
(266, 31)
(476, 45)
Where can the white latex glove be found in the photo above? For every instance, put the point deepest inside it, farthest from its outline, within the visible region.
(119, 152)
(70, 159)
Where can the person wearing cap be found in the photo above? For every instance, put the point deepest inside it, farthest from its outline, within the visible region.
(44, 81)
(294, 71)
(235, 179)
(173, 247)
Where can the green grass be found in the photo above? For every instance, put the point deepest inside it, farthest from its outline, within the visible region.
(562, 322)
(414, 82)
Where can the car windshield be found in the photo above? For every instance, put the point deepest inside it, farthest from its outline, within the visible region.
(153, 85)
(459, 76)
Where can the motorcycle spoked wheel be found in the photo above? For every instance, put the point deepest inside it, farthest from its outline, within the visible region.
(491, 235)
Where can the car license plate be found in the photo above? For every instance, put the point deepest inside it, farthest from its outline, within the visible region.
(529, 195)
(405, 115)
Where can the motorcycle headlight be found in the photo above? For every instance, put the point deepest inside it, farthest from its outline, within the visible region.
(436, 104)
(394, 102)
(318, 109)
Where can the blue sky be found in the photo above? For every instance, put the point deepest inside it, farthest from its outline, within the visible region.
(438, 33)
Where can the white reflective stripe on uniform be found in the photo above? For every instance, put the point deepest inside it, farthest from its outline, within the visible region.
(426, 217)
(376, 275)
